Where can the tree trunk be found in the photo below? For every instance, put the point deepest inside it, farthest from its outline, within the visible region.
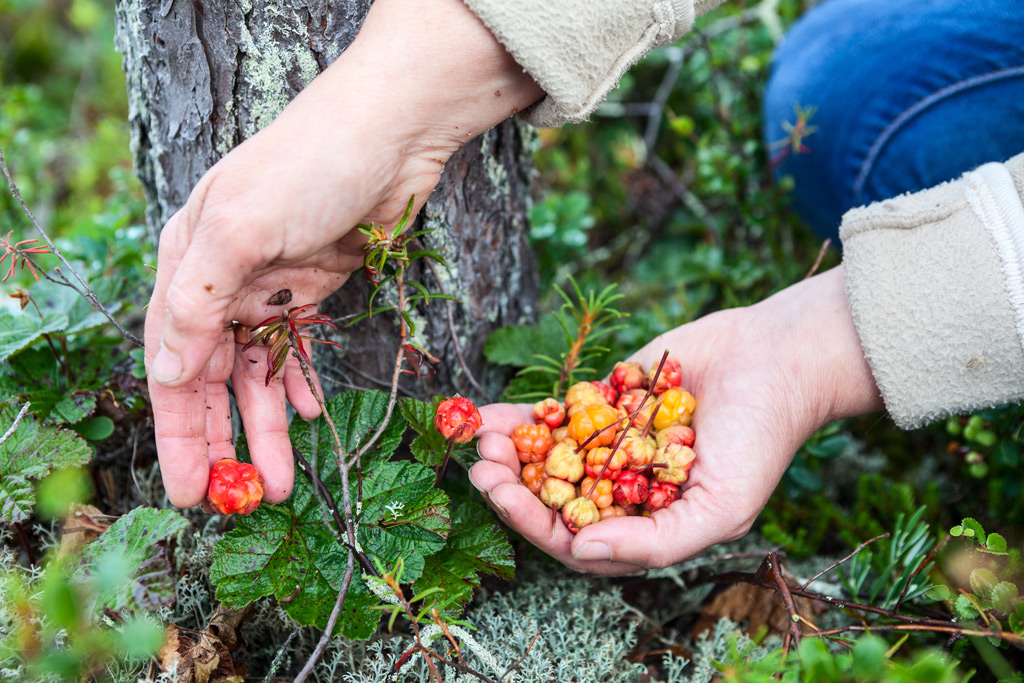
(203, 76)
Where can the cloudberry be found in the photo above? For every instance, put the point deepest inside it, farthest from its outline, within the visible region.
(678, 460)
(626, 376)
(630, 487)
(556, 492)
(596, 457)
(560, 434)
(564, 462)
(583, 392)
(629, 402)
(684, 436)
(639, 449)
(532, 442)
(602, 495)
(579, 513)
(661, 495)
(671, 375)
(533, 475)
(235, 487)
(610, 395)
(676, 407)
(457, 419)
(612, 511)
(591, 420)
(550, 412)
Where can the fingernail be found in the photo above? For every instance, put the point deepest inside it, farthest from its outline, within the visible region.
(503, 511)
(166, 366)
(593, 550)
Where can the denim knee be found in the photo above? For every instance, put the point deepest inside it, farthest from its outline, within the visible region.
(905, 94)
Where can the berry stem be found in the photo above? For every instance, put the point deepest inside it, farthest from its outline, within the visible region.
(444, 463)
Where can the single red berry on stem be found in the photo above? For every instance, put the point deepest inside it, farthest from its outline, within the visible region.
(235, 487)
(630, 488)
(671, 375)
(457, 419)
(550, 412)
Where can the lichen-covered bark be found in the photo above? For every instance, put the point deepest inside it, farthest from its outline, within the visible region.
(203, 76)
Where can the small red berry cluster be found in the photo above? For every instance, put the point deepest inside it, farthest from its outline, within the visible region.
(235, 487)
(606, 452)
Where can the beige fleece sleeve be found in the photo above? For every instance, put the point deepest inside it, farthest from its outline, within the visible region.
(577, 50)
(936, 287)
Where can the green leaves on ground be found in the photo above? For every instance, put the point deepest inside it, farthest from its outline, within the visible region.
(31, 452)
(292, 552)
(18, 332)
(128, 565)
(476, 545)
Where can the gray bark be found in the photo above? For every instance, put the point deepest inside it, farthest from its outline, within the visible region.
(203, 76)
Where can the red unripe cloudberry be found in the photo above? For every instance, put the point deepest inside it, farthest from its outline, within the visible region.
(661, 495)
(610, 394)
(671, 375)
(235, 487)
(457, 419)
(626, 376)
(550, 412)
(630, 487)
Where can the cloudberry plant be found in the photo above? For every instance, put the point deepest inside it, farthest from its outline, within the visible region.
(626, 376)
(235, 487)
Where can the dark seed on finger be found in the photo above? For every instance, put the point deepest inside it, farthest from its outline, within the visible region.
(280, 298)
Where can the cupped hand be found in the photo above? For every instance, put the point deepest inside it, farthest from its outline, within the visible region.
(765, 378)
(277, 213)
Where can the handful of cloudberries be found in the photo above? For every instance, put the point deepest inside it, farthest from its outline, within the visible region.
(608, 452)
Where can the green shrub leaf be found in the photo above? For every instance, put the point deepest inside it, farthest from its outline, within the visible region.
(476, 545)
(30, 453)
(18, 332)
(128, 565)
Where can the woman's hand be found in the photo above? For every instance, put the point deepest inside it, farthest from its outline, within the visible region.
(278, 211)
(765, 378)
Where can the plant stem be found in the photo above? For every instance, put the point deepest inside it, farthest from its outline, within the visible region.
(444, 463)
(325, 638)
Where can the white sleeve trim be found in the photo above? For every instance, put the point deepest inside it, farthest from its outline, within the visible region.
(993, 197)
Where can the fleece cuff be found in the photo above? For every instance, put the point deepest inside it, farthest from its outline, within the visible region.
(935, 281)
(577, 50)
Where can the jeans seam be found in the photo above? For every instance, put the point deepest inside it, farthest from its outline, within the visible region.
(918, 107)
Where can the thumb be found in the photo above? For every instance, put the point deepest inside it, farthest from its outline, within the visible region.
(197, 281)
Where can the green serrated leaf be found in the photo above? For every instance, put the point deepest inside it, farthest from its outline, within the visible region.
(134, 541)
(475, 546)
(73, 408)
(82, 317)
(1003, 595)
(19, 331)
(403, 516)
(973, 528)
(956, 531)
(964, 608)
(939, 592)
(517, 345)
(30, 453)
(983, 581)
(995, 544)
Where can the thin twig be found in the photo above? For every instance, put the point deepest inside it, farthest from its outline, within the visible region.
(924, 563)
(1009, 637)
(14, 426)
(455, 338)
(793, 633)
(832, 566)
(515, 665)
(647, 396)
(325, 638)
(821, 255)
(86, 290)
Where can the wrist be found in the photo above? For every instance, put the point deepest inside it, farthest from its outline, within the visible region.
(432, 73)
(821, 351)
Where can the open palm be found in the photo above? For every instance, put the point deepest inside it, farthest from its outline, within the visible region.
(765, 379)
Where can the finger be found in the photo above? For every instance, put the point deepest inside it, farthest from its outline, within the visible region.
(486, 476)
(265, 419)
(211, 266)
(502, 418)
(681, 531)
(296, 388)
(525, 513)
(499, 449)
(218, 403)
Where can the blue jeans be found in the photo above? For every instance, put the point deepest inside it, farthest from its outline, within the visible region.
(905, 94)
